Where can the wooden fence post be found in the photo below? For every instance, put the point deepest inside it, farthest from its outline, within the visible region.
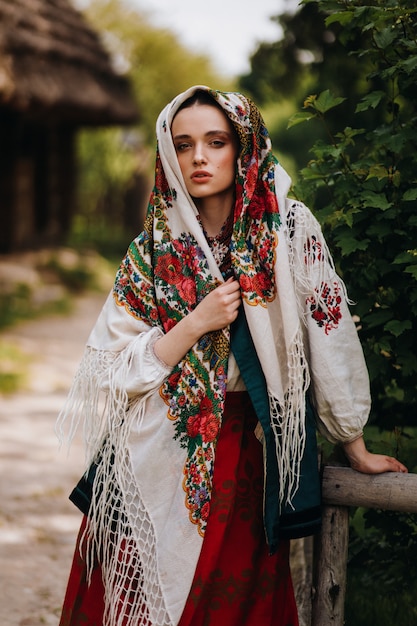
(342, 488)
(329, 583)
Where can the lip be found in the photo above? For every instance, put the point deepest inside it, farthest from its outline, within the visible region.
(200, 176)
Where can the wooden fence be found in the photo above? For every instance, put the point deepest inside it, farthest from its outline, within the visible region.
(342, 488)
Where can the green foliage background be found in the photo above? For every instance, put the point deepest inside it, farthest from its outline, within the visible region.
(363, 181)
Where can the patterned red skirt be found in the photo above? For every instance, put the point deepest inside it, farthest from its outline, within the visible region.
(236, 583)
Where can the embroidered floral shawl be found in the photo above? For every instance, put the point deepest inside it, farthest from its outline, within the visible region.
(157, 441)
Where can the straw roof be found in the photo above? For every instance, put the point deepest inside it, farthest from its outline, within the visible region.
(53, 63)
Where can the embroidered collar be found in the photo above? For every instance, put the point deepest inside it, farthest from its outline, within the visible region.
(220, 245)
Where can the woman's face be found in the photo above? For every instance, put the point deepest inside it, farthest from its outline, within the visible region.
(207, 149)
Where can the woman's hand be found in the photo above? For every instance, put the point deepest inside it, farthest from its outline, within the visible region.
(217, 310)
(362, 460)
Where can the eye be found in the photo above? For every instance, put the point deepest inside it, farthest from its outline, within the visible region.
(183, 145)
(217, 143)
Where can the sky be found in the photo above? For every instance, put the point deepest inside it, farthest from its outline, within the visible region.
(227, 31)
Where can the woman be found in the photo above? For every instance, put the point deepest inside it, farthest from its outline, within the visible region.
(225, 325)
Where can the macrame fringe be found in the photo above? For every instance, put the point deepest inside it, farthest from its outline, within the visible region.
(288, 423)
(119, 532)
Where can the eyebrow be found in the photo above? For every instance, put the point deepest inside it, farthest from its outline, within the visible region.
(210, 133)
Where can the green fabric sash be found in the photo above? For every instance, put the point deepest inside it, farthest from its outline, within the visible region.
(304, 516)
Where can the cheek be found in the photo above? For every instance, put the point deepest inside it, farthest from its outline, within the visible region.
(182, 162)
(228, 165)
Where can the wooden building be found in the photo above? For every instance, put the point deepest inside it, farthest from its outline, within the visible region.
(55, 76)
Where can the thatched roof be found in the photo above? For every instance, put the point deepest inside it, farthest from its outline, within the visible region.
(53, 63)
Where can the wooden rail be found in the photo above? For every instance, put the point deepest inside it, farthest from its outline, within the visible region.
(342, 488)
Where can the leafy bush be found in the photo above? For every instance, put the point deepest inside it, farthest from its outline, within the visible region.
(382, 569)
(362, 181)
(363, 185)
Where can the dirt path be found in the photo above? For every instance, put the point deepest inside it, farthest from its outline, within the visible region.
(38, 524)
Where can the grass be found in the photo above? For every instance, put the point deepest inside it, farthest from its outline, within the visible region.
(19, 305)
(13, 368)
(47, 287)
(60, 274)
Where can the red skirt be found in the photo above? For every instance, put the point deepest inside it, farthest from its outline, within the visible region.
(236, 582)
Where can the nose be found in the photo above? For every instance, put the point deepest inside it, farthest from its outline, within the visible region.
(199, 156)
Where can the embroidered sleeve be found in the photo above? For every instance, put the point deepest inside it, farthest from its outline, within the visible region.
(339, 377)
(146, 372)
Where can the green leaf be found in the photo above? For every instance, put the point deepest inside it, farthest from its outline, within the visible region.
(370, 101)
(410, 194)
(349, 244)
(377, 200)
(384, 38)
(342, 18)
(346, 137)
(410, 64)
(396, 328)
(300, 117)
(326, 101)
(349, 132)
(310, 174)
(377, 171)
(377, 318)
(406, 257)
(411, 269)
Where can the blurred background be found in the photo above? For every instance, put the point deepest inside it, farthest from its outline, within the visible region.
(81, 85)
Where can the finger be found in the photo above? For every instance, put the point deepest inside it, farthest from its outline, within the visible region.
(397, 466)
(231, 285)
(229, 294)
